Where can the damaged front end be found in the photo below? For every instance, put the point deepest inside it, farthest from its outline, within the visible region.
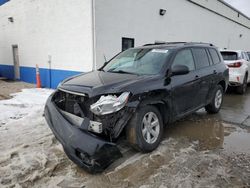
(87, 135)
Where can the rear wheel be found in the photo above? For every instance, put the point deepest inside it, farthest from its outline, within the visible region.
(243, 88)
(216, 103)
(145, 129)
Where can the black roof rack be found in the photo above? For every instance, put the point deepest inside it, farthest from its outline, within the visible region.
(184, 43)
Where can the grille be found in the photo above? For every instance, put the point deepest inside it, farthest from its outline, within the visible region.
(72, 103)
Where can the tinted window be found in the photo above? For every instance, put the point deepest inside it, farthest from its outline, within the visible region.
(245, 56)
(184, 57)
(229, 56)
(201, 58)
(215, 56)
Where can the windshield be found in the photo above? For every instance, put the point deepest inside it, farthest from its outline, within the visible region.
(229, 56)
(138, 61)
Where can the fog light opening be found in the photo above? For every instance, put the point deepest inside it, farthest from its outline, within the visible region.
(84, 157)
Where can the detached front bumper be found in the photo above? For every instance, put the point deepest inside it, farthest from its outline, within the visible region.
(83, 148)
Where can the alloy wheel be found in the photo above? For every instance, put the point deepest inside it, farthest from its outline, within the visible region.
(218, 98)
(150, 127)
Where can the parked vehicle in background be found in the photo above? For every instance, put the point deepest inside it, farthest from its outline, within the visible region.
(136, 93)
(239, 69)
(248, 53)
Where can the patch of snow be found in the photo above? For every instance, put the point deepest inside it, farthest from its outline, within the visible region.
(22, 104)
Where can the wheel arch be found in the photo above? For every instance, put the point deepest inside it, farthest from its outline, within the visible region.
(223, 84)
(162, 106)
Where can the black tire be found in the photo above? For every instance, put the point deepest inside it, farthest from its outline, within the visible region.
(135, 126)
(213, 107)
(243, 88)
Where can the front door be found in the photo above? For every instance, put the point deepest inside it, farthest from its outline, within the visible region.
(16, 62)
(185, 87)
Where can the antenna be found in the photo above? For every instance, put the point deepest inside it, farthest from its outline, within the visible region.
(105, 59)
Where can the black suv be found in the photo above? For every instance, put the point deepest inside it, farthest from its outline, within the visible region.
(135, 94)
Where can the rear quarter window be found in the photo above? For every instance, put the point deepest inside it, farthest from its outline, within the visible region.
(214, 55)
(201, 57)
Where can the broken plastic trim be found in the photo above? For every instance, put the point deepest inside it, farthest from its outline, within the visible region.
(94, 126)
(83, 148)
(71, 92)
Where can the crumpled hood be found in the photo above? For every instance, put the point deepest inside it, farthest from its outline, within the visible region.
(100, 82)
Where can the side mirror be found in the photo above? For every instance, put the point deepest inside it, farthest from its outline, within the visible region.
(180, 70)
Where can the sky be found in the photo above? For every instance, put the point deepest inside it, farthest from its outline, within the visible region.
(242, 5)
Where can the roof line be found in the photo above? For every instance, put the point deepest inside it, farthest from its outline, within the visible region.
(202, 6)
(233, 8)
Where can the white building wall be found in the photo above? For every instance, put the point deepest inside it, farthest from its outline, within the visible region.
(59, 28)
(75, 37)
(184, 21)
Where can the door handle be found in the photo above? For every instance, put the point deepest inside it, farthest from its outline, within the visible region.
(215, 71)
(197, 77)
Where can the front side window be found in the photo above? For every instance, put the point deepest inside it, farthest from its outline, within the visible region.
(184, 57)
(201, 58)
(138, 61)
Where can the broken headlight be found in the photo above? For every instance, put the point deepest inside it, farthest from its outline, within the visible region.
(109, 104)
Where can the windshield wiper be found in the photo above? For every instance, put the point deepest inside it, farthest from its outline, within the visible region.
(122, 72)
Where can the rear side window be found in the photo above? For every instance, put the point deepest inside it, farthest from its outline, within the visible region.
(201, 58)
(184, 57)
(229, 56)
(248, 53)
(245, 56)
(215, 56)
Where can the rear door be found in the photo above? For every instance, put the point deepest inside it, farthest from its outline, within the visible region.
(184, 87)
(205, 73)
(215, 59)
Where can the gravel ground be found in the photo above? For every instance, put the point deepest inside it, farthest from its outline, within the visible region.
(7, 87)
(198, 151)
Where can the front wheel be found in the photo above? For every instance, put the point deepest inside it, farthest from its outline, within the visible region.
(216, 103)
(145, 129)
